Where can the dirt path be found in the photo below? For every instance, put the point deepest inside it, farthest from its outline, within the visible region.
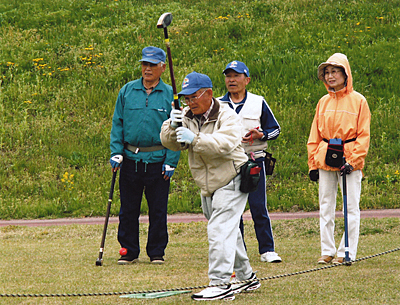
(185, 218)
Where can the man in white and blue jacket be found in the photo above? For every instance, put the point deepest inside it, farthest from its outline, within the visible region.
(259, 126)
(141, 108)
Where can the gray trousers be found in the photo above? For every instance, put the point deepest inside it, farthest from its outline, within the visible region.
(226, 248)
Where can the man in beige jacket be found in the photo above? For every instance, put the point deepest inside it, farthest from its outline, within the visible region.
(211, 133)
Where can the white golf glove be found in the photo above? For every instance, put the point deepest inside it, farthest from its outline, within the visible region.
(176, 117)
(184, 135)
(116, 161)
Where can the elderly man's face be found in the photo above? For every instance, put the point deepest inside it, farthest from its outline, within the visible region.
(152, 72)
(200, 101)
(236, 82)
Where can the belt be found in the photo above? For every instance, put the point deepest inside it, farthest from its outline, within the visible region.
(347, 141)
(136, 149)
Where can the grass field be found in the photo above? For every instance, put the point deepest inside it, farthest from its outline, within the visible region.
(62, 64)
(52, 260)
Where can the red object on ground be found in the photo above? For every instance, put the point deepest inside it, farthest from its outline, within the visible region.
(123, 251)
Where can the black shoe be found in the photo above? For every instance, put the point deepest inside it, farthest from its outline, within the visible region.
(157, 260)
(127, 259)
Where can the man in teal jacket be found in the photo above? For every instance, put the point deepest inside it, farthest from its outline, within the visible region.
(141, 108)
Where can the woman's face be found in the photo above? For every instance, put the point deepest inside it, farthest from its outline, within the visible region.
(335, 77)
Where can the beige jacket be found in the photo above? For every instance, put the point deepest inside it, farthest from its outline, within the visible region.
(343, 114)
(216, 154)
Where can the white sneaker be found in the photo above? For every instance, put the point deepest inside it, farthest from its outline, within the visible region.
(214, 293)
(245, 286)
(270, 257)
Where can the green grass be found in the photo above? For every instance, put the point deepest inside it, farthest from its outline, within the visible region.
(62, 64)
(52, 260)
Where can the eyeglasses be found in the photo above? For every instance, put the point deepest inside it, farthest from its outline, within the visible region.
(193, 99)
(333, 72)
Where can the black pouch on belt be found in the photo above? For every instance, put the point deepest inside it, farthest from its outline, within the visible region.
(269, 163)
(250, 173)
(334, 153)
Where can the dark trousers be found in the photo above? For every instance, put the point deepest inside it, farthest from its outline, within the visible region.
(259, 213)
(136, 178)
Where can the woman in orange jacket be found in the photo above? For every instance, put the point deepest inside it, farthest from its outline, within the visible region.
(341, 125)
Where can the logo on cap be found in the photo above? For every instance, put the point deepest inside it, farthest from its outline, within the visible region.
(185, 83)
(233, 64)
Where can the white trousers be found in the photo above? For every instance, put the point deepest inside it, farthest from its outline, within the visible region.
(328, 188)
(226, 248)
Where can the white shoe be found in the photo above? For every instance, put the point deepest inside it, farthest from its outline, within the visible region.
(245, 286)
(270, 257)
(214, 293)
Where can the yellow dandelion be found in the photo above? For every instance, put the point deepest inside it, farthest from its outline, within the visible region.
(358, 23)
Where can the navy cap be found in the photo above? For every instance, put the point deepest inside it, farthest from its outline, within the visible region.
(239, 67)
(193, 82)
(153, 55)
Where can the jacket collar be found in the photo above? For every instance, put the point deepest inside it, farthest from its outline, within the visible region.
(338, 94)
(139, 85)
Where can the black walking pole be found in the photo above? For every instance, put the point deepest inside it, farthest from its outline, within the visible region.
(346, 226)
(99, 260)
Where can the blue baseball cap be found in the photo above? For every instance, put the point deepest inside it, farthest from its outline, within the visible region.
(153, 55)
(193, 82)
(239, 67)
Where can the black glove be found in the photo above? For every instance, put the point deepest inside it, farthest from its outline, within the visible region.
(346, 169)
(314, 175)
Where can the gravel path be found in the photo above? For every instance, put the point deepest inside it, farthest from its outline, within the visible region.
(185, 218)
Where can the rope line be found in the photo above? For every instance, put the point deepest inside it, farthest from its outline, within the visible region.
(51, 295)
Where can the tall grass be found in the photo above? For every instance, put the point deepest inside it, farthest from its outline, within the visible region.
(62, 64)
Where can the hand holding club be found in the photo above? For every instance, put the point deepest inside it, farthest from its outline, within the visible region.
(184, 135)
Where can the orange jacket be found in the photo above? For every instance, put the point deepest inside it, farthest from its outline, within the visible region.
(343, 114)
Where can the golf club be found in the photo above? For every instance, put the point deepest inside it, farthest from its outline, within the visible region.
(99, 260)
(163, 22)
(346, 226)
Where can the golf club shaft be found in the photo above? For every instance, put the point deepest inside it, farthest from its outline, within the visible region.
(171, 69)
(103, 238)
(346, 226)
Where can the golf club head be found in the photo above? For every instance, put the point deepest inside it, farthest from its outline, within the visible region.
(99, 262)
(164, 20)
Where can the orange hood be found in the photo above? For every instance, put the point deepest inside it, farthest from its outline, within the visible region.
(339, 60)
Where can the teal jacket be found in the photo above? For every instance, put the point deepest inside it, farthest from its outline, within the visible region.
(137, 121)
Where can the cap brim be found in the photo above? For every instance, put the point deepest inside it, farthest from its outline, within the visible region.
(153, 61)
(233, 69)
(188, 91)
